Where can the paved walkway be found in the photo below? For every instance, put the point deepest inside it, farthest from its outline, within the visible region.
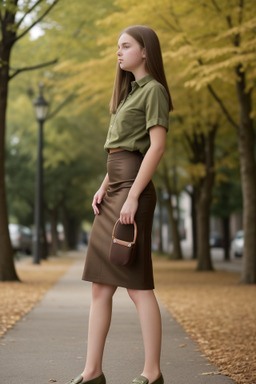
(50, 342)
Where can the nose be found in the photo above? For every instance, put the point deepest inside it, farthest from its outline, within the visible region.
(118, 52)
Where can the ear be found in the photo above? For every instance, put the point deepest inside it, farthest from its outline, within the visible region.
(144, 53)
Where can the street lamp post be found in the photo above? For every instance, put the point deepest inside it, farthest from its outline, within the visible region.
(41, 109)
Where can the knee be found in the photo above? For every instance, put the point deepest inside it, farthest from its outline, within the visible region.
(101, 291)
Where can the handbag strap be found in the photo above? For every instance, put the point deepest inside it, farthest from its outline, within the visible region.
(122, 242)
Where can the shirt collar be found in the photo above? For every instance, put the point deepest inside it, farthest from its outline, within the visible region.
(141, 82)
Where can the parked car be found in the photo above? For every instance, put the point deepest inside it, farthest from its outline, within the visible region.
(21, 238)
(237, 244)
(216, 240)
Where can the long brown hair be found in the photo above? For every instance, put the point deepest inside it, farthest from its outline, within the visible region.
(147, 39)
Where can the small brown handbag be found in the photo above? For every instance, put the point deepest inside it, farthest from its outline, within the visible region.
(122, 249)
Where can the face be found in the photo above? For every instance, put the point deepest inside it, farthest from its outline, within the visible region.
(131, 56)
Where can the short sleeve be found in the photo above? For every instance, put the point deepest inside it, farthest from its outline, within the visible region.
(157, 107)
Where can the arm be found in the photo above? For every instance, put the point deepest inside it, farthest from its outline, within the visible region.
(147, 169)
(99, 195)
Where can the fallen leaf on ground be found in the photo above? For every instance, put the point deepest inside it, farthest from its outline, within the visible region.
(211, 373)
(216, 311)
(18, 298)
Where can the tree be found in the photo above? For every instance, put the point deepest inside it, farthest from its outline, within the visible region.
(13, 28)
(74, 159)
(229, 59)
(227, 199)
(197, 125)
(202, 148)
(74, 38)
(174, 222)
(227, 194)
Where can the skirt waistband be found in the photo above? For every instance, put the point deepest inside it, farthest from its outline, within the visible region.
(123, 166)
(124, 154)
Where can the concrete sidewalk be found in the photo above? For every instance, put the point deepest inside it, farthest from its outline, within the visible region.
(50, 342)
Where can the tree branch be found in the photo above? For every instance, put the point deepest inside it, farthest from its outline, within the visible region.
(37, 21)
(241, 5)
(166, 20)
(220, 102)
(192, 146)
(222, 106)
(28, 11)
(210, 88)
(216, 6)
(188, 139)
(51, 115)
(17, 71)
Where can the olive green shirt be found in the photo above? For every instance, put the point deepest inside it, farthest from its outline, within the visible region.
(146, 105)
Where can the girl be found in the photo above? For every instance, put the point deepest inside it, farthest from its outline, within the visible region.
(135, 143)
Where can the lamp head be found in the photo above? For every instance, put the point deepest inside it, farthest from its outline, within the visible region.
(41, 105)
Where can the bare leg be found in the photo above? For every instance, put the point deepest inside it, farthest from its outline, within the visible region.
(150, 320)
(99, 323)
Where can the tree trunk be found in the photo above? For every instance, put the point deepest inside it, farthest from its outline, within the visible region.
(203, 231)
(7, 40)
(44, 244)
(203, 204)
(71, 228)
(226, 237)
(193, 219)
(177, 252)
(7, 268)
(54, 232)
(246, 145)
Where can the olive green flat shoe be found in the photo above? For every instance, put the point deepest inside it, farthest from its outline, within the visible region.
(79, 380)
(160, 380)
(140, 380)
(144, 380)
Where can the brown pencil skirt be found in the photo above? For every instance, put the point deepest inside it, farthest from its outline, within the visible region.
(122, 169)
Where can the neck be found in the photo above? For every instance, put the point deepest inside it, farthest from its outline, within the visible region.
(140, 73)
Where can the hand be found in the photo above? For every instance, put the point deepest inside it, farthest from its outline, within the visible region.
(97, 199)
(129, 210)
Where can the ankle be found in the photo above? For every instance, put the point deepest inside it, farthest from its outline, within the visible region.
(151, 376)
(89, 374)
